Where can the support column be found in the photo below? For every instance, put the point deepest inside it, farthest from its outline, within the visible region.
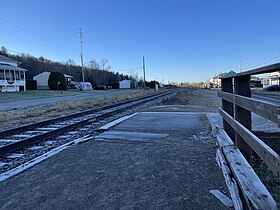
(242, 87)
(24, 81)
(5, 80)
(227, 86)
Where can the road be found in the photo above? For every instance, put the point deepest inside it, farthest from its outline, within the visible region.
(34, 102)
(265, 96)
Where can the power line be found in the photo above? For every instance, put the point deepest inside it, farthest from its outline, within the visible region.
(42, 38)
(12, 51)
(52, 42)
(36, 35)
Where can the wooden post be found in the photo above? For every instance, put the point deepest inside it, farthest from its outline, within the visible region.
(242, 87)
(228, 106)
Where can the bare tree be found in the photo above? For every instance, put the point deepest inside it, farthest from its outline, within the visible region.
(104, 65)
(94, 64)
(71, 62)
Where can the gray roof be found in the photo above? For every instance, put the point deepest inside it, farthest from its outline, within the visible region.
(66, 75)
(7, 59)
(10, 67)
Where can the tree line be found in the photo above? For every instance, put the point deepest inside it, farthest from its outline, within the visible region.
(97, 73)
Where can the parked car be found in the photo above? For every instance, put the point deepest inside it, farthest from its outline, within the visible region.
(273, 88)
(100, 87)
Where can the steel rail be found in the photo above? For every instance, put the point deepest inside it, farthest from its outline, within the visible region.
(41, 137)
(78, 114)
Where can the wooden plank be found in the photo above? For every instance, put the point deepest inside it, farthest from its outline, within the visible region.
(242, 87)
(230, 181)
(223, 139)
(267, 110)
(222, 197)
(261, 70)
(227, 86)
(248, 181)
(270, 157)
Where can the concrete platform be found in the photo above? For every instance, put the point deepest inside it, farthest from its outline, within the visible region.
(149, 161)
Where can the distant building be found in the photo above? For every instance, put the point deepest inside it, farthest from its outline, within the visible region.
(216, 81)
(125, 84)
(42, 80)
(12, 77)
(272, 79)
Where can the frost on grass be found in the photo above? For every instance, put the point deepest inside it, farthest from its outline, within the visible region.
(18, 117)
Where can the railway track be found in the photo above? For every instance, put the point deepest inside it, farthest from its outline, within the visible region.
(26, 142)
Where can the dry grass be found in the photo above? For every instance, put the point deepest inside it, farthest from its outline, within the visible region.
(14, 118)
(198, 97)
(208, 98)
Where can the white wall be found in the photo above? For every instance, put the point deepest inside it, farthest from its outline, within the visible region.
(42, 80)
(125, 84)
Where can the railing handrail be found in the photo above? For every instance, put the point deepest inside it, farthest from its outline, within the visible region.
(237, 106)
(261, 70)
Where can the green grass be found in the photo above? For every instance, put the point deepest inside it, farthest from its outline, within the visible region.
(34, 94)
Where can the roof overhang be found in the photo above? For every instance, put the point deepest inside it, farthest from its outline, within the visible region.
(10, 67)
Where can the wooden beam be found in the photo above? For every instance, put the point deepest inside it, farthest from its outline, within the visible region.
(270, 157)
(242, 87)
(227, 86)
(261, 70)
(267, 110)
(222, 197)
(230, 181)
(248, 181)
(223, 140)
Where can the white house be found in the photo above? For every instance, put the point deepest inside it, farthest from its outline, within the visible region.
(216, 81)
(125, 84)
(12, 77)
(42, 80)
(272, 79)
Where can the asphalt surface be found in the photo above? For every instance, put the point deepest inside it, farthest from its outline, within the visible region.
(266, 96)
(34, 102)
(150, 161)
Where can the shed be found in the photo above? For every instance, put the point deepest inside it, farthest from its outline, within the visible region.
(125, 84)
(42, 80)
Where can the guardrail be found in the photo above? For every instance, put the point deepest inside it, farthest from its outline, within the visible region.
(237, 106)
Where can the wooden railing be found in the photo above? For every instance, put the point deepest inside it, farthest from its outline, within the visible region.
(237, 106)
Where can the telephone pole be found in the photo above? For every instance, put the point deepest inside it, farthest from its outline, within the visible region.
(144, 71)
(82, 61)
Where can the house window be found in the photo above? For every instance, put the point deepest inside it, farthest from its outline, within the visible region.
(2, 75)
(10, 75)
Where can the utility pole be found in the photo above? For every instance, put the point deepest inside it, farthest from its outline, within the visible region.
(82, 61)
(144, 71)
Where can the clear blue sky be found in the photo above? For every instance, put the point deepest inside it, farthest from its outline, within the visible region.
(182, 40)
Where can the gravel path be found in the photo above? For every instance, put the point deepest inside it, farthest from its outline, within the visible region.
(176, 172)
